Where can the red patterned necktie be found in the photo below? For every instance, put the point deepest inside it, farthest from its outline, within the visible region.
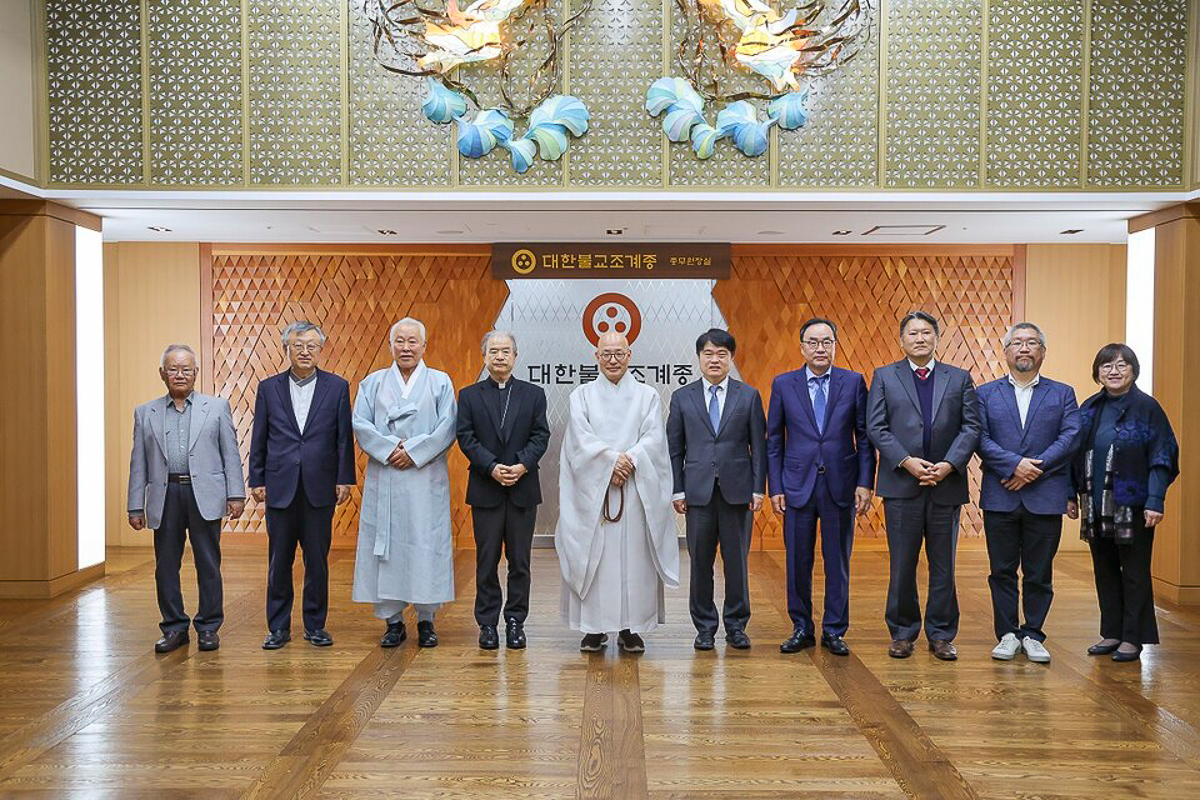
(922, 372)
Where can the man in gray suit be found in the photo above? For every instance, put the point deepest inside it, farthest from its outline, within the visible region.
(923, 417)
(185, 473)
(716, 435)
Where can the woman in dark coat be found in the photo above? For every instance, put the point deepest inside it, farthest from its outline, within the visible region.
(1128, 458)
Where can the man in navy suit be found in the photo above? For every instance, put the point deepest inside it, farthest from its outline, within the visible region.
(1030, 431)
(716, 436)
(301, 465)
(502, 430)
(821, 467)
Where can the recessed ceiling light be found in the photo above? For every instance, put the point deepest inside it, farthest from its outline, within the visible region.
(386, 232)
(770, 233)
(614, 231)
(159, 229)
(903, 230)
(1070, 231)
(449, 232)
(842, 233)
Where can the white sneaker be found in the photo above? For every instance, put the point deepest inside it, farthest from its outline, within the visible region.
(1035, 651)
(1008, 648)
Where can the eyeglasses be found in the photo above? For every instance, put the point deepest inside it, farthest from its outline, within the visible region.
(818, 344)
(619, 355)
(1022, 344)
(176, 372)
(305, 347)
(1118, 367)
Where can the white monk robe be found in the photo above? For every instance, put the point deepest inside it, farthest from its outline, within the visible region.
(405, 537)
(613, 572)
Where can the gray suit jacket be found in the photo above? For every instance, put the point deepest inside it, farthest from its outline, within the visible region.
(214, 461)
(737, 453)
(895, 427)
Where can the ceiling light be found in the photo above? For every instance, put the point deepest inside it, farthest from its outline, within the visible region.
(615, 231)
(449, 232)
(770, 233)
(159, 229)
(1070, 231)
(386, 232)
(903, 230)
(842, 233)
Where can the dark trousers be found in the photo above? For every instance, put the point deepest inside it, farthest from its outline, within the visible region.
(1124, 587)
(837, 540)
(719, 524)
(181, 519)
(1021, 538)
(311, 527)
(912, 522)
(506, 527)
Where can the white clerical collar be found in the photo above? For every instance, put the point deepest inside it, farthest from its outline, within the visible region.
(1029, 385)
(723, 385)
(406, 387)
(915, 367)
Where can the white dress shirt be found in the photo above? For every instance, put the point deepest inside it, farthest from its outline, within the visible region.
(1024, 395)
(302, 395)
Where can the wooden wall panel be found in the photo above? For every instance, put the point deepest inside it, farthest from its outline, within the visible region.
(769, 296)
(152, 299)
(356, 296)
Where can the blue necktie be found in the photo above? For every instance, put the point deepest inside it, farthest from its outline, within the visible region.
(714, 409)
(819, 401)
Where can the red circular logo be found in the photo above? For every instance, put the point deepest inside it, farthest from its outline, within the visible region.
(611, 313)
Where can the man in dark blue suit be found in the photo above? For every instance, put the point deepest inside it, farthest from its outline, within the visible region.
(821, 467)
(301, 465)
(1030, 431)
(716, 435)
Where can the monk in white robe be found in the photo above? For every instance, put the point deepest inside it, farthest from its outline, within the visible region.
(616, 539)
(404, 419)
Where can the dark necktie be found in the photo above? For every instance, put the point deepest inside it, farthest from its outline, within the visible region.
(714, 409)
(922, 372)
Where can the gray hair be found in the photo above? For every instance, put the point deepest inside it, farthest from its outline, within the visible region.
(302, 326)
(487, 337)
(1028, 326)
(416, 323)
(176, 348)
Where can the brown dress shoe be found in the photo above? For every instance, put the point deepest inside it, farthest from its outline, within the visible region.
(943, 650)
(900, 648)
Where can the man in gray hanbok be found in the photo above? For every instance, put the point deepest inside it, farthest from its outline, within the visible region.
(404, 419)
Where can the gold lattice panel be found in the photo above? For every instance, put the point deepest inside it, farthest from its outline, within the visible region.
(94, 91)
(1035, 93)
(1136, 110)
(355, 298)
(768, 298)
(616, 51)
(933, 95)
(195, 92)
(295, 62)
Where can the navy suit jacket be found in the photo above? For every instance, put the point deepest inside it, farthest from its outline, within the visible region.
(322, 456)
(733, 457)
(1051, 433)
(795, 449)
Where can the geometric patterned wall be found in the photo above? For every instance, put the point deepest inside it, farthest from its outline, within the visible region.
(355, 299)
(768, 297)
(1000, 94)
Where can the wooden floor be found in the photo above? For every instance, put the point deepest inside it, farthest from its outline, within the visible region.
(88, 710)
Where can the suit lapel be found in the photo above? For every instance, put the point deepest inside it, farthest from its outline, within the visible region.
(940, 379)
(1035, 402)
(156, 427)
(199, 415)
(514, 407)
(800, 384)
(491, 401)
(1010, 401)
(904, 374)
(319, 392)
(732, 394)
(285, 396)
(700, 398)
(835, 388)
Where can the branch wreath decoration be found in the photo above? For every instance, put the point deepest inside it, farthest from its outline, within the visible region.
(443, 45)
(787, 50)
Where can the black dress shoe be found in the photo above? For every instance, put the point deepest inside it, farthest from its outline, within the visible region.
(318, 638)
(514, 636)
(797, 642)
(943, 650)
(394, 635)
(1121, 655)
(737, 639)
(426, 637)
(630, 642)
(1103, 649)
(488, 638)
(276, 640)
(171, 640)
(593, 642)
(208, 640)
(704, 641)
(835, 644)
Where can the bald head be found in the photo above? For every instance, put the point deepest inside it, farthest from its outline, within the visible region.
(612, 353)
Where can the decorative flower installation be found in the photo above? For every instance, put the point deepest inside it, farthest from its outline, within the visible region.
(444, 46)
(786, 50)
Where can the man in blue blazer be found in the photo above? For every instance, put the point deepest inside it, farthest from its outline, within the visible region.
(821, 467)
(301, 465)
(1030, 431)
(716, 436)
